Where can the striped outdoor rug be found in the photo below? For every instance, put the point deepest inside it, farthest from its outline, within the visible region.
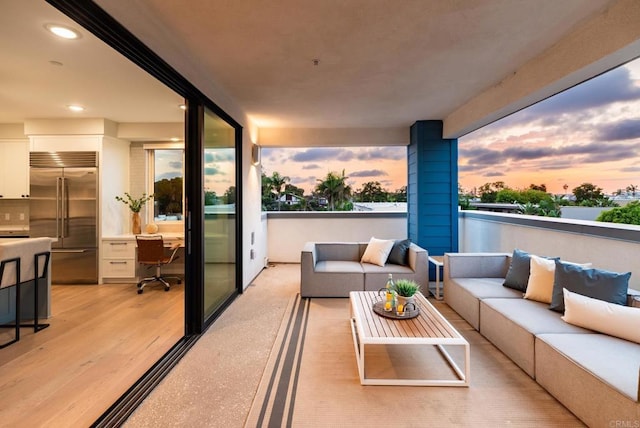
(277, 391)
(311, 380)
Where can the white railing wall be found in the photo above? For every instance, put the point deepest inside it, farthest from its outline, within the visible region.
(607, 246)
(287, 232)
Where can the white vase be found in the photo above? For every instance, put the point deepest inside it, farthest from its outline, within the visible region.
(402, 300)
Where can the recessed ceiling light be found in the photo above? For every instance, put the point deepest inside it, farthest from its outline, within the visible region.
(62, 31)
(175, 139)
(182, 106)
(74, 107)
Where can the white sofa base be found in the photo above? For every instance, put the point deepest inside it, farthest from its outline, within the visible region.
(597, 377)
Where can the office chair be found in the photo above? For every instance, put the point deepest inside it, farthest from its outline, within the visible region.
(151, 252)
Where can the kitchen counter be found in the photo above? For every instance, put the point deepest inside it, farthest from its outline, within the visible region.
(14, 231)
(22, 228)
(25, 249)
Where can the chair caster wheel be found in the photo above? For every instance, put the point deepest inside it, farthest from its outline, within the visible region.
(166, 288)
(179, 281)
(140, 291)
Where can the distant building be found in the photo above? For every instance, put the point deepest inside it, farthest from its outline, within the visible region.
(495, 207)
(380, 206)
(290, 199)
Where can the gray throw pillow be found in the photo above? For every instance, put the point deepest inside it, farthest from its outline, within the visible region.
(600, 284)
(518, 273)
(399, 252)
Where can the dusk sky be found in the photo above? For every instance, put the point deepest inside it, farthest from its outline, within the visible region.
(590, 133)
(305, 167)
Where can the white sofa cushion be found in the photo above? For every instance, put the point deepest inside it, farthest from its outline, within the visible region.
(540, 284)
(377, 251)
(541, 278)
(610, 318)
(339, 266)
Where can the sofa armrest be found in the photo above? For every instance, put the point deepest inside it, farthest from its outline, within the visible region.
(417, 258)
(308, 256)
(307, 264)
(476, 265)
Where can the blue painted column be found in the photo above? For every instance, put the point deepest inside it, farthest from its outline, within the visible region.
(432, 189)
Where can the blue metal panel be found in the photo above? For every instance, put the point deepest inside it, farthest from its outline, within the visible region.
(432, 188)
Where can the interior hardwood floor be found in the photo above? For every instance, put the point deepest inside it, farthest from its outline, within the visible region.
(101, 339)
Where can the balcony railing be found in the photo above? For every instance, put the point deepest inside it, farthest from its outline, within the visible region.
(608, 246)
(287, 231)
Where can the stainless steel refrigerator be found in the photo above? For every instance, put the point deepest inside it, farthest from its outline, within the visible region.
(64, 206)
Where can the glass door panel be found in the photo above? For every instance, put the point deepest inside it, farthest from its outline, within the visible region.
(219, 212)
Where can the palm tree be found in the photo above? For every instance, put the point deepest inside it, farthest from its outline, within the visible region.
(632, 188)
(335, 189)
(267, 193)
(277, 182)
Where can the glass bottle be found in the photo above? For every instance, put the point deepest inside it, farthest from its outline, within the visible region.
(390, 293)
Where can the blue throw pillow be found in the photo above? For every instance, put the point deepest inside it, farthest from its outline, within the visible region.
(399, 252)
(518, 273)
(596, 283)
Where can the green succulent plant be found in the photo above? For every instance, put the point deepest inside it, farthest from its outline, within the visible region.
(406, 287)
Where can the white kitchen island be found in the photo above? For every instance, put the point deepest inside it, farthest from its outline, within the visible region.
(31, 282)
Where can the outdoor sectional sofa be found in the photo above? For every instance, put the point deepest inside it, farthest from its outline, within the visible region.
(594, 375)
(333, 269)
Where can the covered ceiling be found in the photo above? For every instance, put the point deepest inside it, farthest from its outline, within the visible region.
(380, 63)
(285, 63)
(40, 74)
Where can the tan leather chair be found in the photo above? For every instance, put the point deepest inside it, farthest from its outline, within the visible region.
(151, 252)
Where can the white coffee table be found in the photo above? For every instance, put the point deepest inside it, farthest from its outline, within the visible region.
(428, 328)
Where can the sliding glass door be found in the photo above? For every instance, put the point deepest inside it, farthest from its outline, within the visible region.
(219, 166)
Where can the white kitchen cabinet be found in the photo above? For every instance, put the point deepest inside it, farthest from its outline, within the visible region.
(118, 259)
(119, 262)
(14, 169)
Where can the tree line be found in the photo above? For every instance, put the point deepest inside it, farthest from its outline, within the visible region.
(535, 200)
(332, 193)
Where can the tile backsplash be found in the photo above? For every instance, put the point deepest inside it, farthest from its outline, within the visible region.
(14, 212)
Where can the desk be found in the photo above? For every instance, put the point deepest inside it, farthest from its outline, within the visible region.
(118, 262)
(438, 262)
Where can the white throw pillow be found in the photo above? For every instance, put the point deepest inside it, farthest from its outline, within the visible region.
(541, 278)
(540, 285)
(377, 251)
(604, 317)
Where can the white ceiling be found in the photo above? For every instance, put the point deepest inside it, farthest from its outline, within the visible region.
(92, 74)
(382, 63)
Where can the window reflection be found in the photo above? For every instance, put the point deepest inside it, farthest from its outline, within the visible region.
(219, 159)
(220, 189)
(168, 167)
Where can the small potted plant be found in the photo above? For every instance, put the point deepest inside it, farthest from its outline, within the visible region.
(405, 290)
(135, 205)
